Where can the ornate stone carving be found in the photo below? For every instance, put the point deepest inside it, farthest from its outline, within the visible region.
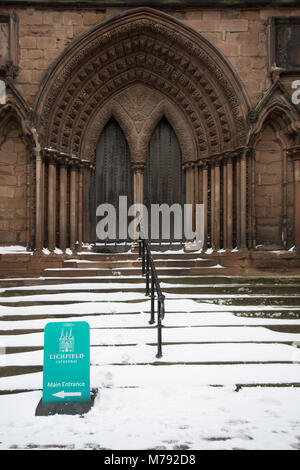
(138, 109)
(145, 47)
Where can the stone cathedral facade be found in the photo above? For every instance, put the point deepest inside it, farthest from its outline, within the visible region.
(165, 102)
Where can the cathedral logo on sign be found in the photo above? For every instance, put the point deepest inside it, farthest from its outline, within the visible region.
(66, 341)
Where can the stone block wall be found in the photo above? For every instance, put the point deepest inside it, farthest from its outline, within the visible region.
(44, 33)
(240, 34)
(14, 217)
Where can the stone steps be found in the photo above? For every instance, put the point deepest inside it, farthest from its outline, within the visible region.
(203, 280)
(218, 330)
(134, 271)
(284, 301)
(118, 264)
(175, 256)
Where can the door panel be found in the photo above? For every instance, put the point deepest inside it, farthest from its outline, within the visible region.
(164, 179)
(113, 172)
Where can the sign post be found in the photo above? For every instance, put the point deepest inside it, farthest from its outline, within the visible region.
(66, 372)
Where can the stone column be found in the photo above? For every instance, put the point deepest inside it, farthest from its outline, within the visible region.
(73, 205)
(243, 202)
(212, 204)
(63, 205)
(205, 201)
(229, 204)
(80, 204)
(296, 159)
(190, 195)
(224, 198)
(138, 187)
(138, 183)
(51, 203)
(196, 192)
(39, 228)
(217, 209)
(237, 190)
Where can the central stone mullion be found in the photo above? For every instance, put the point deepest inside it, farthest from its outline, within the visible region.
(138, 185)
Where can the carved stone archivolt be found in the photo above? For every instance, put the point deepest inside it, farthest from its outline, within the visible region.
(187, 77)
(142, 55)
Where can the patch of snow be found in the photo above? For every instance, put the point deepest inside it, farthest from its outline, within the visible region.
(14, 249)
(204, 417)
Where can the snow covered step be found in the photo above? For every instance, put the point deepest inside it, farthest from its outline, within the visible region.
(45, 282)
(149, 376)
(180, 271)
(207, 280)
(199, 262)
(195, 375)
(77, 309)
(171, 305)
(221, 299)
(141, 320)
(148, 335)
(175, 354)
(157, 255)
(193, 289)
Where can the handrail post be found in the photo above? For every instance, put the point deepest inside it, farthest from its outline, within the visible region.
(147, 273)
(148, 265)
(143, 257)
(140, 248)
(159, 336)
(152, 318)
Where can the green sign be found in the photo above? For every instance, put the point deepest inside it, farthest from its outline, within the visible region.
(66, 374)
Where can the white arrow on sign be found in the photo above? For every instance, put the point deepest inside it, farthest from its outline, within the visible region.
(63, 394)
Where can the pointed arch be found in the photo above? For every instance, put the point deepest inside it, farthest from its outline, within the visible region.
(138, 122)
(149, 47)
(16, 173)
(273, 187)
(276, 107)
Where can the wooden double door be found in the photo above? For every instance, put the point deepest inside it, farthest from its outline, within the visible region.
(163, 179)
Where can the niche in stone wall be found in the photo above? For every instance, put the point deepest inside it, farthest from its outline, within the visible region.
(270, 201)
(15, 211)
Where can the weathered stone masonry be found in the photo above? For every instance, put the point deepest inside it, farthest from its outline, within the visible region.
(207, 70)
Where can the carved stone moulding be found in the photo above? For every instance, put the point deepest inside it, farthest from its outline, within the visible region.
(60, 158)
(146, 47)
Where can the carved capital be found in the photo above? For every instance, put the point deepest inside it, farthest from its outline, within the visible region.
(294, 152)
(138, 167)
(9, 71)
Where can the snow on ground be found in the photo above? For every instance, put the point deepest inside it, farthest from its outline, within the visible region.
(189, 399)
(162, 418)
(13, 249)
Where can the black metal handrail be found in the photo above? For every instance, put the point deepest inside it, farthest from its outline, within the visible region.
(152, 285)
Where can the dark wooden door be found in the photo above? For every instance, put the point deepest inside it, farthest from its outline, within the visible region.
(164, 180)
(113, 172)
